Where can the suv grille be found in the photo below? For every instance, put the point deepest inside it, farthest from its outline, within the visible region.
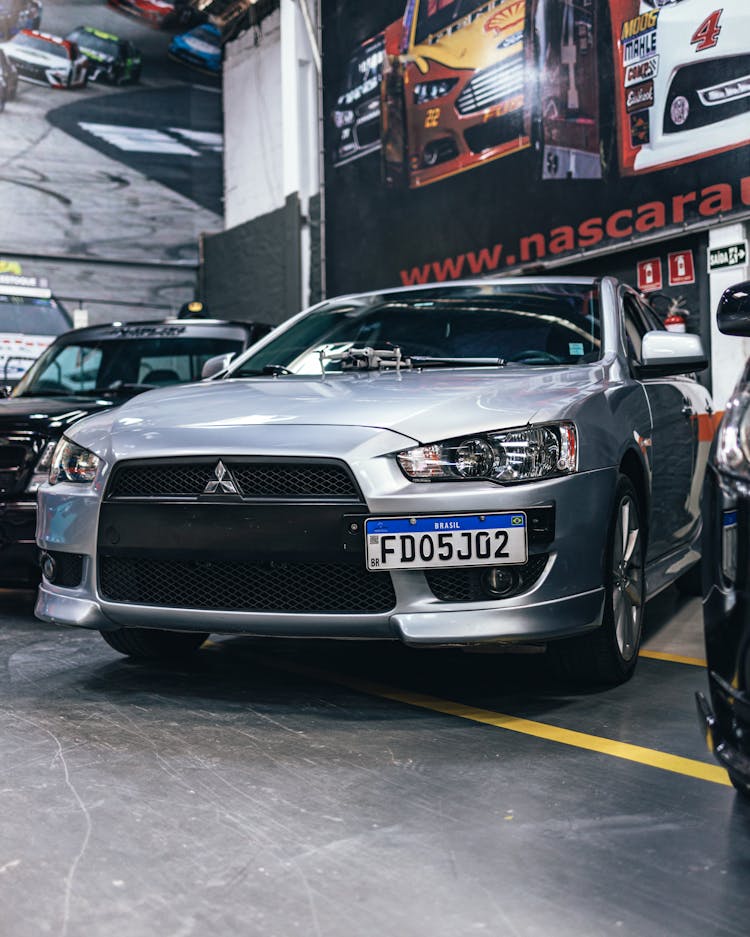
(230, 586)
(253, 480)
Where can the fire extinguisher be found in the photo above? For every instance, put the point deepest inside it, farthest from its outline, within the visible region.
(676, 314)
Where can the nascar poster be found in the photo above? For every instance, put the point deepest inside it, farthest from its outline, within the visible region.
(466, 137)
(110, 131)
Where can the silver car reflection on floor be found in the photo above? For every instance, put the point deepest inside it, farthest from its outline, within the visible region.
(490, 461)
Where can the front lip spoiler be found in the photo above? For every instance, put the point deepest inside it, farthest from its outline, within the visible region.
(735, 761)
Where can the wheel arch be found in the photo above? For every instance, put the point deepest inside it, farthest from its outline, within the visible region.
(631, 465)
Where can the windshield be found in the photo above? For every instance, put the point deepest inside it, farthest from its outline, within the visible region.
(364, 72)
(41, 45)
(93, 43)
(96, 365)
(435, 15)
(29, 315)
(530, 323)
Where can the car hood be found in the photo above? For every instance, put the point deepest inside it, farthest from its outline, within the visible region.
(270, 413)
(49, 416)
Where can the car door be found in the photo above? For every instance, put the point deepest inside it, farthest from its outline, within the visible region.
(676, 404)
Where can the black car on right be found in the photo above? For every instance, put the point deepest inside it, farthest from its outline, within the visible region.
(725, 718)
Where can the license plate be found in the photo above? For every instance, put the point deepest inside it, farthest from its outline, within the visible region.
(445, 541)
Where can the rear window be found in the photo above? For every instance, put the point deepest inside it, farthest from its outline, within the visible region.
(32, 316)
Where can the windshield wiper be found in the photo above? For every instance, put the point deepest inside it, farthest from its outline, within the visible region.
(418, 361)
(377, 359)
(116, 387)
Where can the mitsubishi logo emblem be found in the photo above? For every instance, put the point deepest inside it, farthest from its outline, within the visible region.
(223, 483)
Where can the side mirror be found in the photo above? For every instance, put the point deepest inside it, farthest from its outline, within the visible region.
(733, 314)
(5, 391)
(665, 354)
(216, 365)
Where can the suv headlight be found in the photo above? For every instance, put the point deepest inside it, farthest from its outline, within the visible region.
(41, 469)
(514, 455)
(733, 444)
(73, 463)
(429, 90)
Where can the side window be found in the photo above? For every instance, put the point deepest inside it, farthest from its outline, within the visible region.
(653, 322)
(634, 327)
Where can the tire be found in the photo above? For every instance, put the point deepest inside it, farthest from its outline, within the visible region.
(151, 644)
(608, 656)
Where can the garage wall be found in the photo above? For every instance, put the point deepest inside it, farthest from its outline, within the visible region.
(267, 262)
(253, 185)
(728, 352)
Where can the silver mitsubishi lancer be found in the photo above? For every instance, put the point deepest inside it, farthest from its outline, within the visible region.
(513, 461)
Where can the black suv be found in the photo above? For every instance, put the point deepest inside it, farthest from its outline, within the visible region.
(726, 567)
(82, 372)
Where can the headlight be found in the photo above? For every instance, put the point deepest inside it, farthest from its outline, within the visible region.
(429, 90)
(343, 118)
(514, 455)
(733, 444)
(41, 469)
(72, 463)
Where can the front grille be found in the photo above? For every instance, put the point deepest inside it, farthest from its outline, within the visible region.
(252, 479)
(367, 132)
(467, 585)
(699, 83)
(249, 587)
(494, 132)
(491, 86)
(32, 72)
(17, 459)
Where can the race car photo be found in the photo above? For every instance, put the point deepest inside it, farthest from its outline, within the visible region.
(48, 60)
(160, 14)
(200, 48)
(682, 80)
(110, 58)
(356, 116)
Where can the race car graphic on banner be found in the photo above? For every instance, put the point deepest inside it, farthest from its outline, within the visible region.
(683, 79)
(513, 133)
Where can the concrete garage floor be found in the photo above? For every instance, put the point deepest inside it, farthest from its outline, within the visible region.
(272, 789)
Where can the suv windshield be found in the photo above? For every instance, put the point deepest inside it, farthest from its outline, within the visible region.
(542, 323)
(97, 365)
(435, 15)
(29, 315)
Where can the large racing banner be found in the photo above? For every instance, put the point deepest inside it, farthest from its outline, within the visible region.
(465, 137)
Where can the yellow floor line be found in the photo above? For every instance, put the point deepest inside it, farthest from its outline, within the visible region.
(645, 756)
(675, 658)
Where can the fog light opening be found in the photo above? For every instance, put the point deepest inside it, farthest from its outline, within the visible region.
(49, 567)
(501, 581)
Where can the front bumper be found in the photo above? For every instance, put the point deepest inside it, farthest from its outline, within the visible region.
(726, 748)
(19, 554)
(566, 599)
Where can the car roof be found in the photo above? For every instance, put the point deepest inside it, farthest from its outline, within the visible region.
(483, 282)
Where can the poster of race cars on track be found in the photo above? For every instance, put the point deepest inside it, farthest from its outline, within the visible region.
(110, 129)
(466, 137)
